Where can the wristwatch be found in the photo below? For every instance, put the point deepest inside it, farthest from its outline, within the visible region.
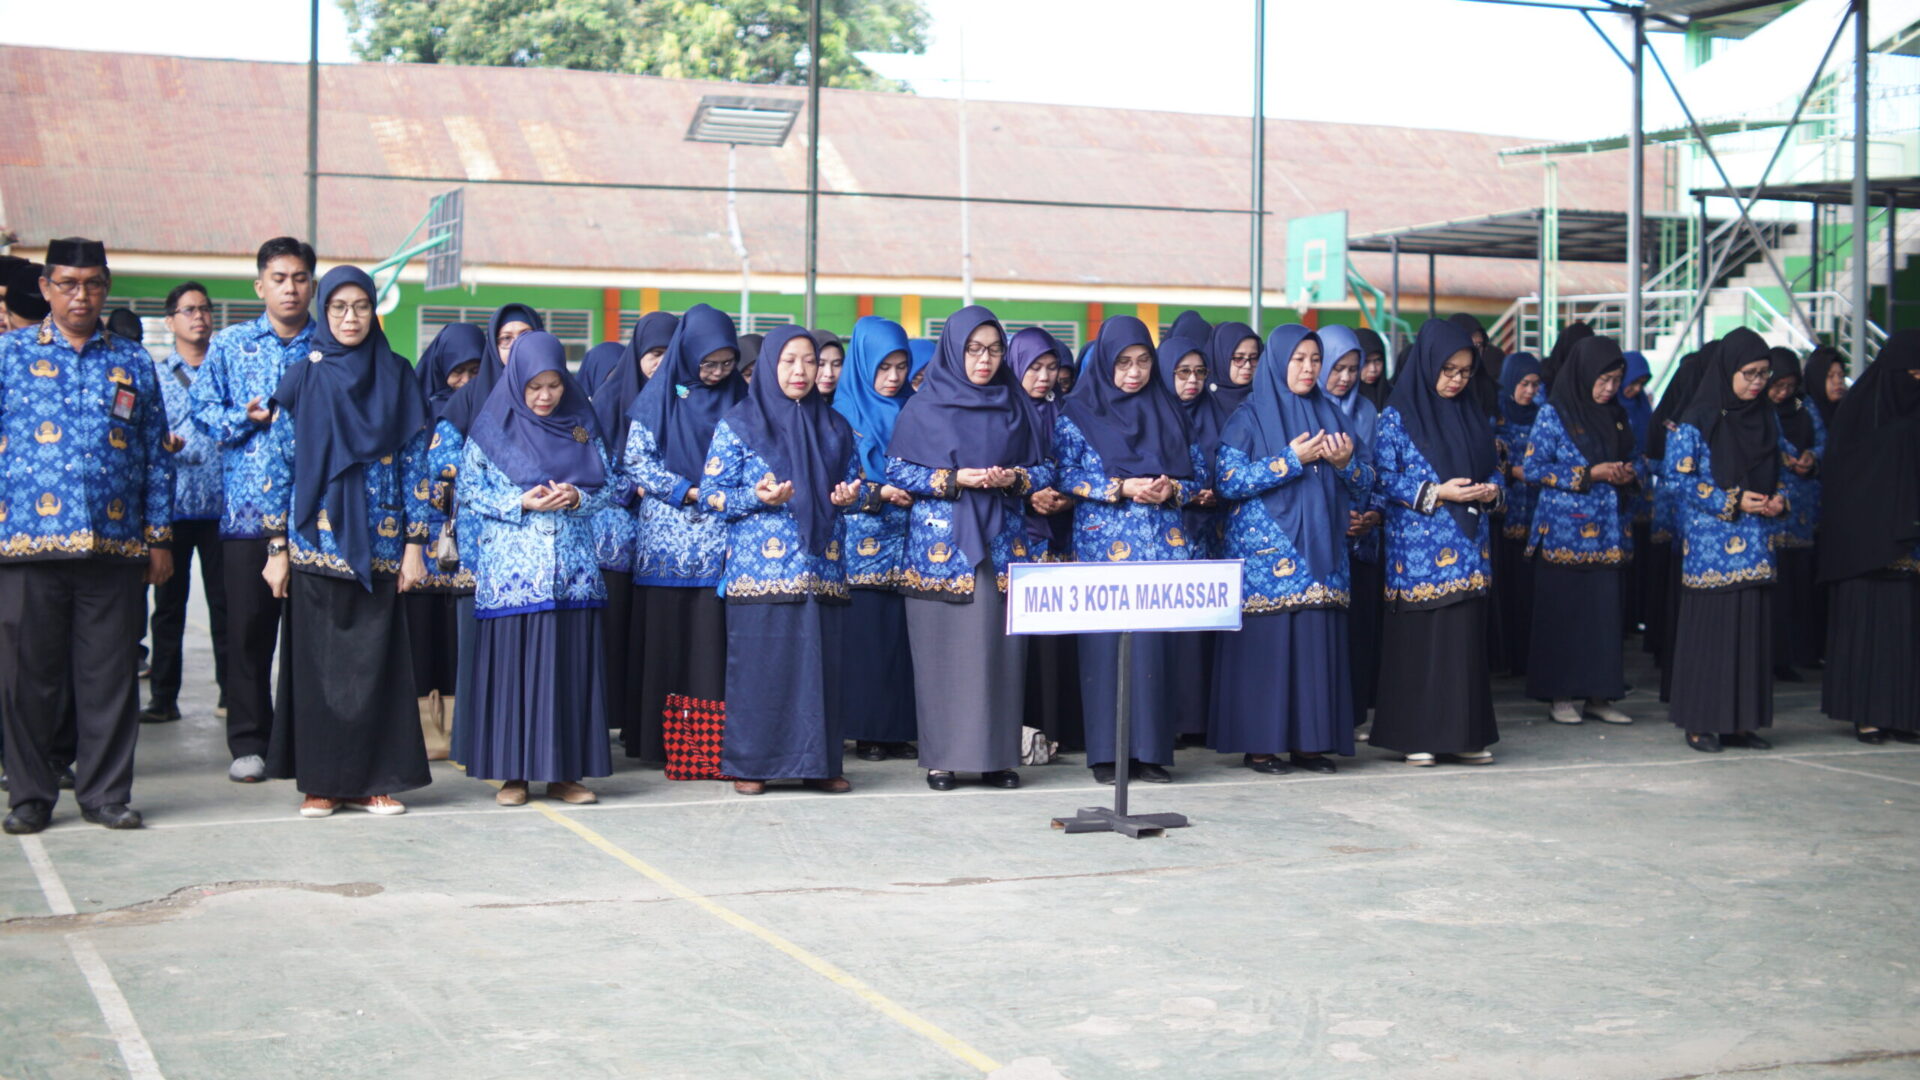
(276, 548)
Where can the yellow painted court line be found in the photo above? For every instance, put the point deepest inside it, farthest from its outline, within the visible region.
(833, 973)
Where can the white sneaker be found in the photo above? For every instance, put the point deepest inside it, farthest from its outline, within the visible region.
(1563, 712)
(250, 769)
(384, 805)
(1604, 712)
(1420, 759)
(1476, 757)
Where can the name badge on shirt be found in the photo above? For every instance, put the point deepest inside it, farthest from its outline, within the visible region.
(123, 402)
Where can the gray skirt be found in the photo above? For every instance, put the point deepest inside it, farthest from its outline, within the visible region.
(968, 680)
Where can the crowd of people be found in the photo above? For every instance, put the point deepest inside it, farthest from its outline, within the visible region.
(493, 558)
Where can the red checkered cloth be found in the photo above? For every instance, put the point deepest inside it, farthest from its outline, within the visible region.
(695, 730)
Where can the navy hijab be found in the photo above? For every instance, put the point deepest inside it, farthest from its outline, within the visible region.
(595, 366)
(1205, 418)
(676, 406)
(1743, 436)
(455, 344)
(1026, 347)
(805, 441)
(466, 403)
(950, 423)
(1188, 324)
(1142, 434)
(350, 405)
(531, 449)
(1451, 433)
(1220, 345)
(1639, 407)
(1512, 373)
(615, 392)
(871, 413)
(1313, 510)
(1363, 419)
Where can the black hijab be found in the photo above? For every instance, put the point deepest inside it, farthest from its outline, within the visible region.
(1742, 435)
(350, 405)
(1813, 379)
(1678, 395)
(1451, 433)
(1220, 345)
(1870, 505)
(1142, 434)
(466, 402)
(676, 405)
(1372, 345)
(1793, 415)
(615, 394)
(1600, 431)
(1563, 345)
(805, 441)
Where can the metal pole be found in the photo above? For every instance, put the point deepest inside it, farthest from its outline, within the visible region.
(1433, 287)
(313, 128)
(1636, 194)
(1122, 725)
(1540, 287)
(966, 184)
(739, 248)
(1860, 295)
(1393, 246)
(1893, 256)
(1706, 281)
(1259, 163)
(813, 161)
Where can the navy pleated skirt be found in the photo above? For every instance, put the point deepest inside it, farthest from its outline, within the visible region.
(1152, 684)
(537, 710)
(1284, 683)
(783, 695)
(876, 663)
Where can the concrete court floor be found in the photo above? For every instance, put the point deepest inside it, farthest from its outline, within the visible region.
(1600, 903)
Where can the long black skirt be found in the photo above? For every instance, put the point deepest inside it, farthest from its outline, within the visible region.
(1578, 649)
(1368, 607)
(1670, 619)
(1873, 652)
(685, 652)
(1150, 694)
(1511, 605)
(616, 646)
(538, 707)
(1435, 696)
(345, 722)
(433, 634)
(876, 667)
(1633, 581)
(1284, 684)
(1053, 689)
(1656, 568)
(1190, 665)
(783, 692)
(1723, 661)
(1795, 630)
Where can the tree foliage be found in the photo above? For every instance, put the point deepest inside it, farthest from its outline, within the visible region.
(755, 41)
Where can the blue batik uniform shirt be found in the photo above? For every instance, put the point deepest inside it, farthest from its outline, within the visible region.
(244, 362)
(196, 466)
(84, 470)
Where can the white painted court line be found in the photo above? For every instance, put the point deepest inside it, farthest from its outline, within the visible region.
(1852, 772)
(125, 1030)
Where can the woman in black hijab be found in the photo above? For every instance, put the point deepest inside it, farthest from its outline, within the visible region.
(1562, 349)
(1662, 563)
(1725, 457)
(1803, 443)
(1374, 385)
(1870, 548)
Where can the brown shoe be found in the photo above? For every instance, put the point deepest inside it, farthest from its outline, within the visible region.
(567, 791)
(749, 787)
(839, 785)
(318, 806)
(512, 793)
(383, 805)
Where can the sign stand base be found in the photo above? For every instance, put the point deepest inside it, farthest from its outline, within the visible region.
(1100, 818)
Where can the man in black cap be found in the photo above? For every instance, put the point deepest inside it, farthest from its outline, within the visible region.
(25, 306)
(86, 514)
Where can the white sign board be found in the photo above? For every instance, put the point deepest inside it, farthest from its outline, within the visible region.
(1092, 598)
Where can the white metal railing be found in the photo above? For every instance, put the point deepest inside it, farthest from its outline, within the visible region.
(1664, 313)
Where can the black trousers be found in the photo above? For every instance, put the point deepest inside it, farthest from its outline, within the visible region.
(169, 622)
(69, 631)
(253, 625)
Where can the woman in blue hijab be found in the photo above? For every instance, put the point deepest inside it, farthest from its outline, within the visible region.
(1293, 468)
(536, 472)
(1344, 353)
(1125, 450)
(680, 556)
(351, 490)
(875, 656)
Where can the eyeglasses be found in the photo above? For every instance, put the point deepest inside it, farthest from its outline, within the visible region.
(339, 309)
(975, 351)
(194, 309)
(1245, 359)
(93, 286)
(1755, 376)
(716, 367)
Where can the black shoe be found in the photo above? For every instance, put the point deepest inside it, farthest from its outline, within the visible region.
(1897, 735)
(1708, 743)
(1748, 739)
(870, 751)
(1320, 764)
(28, 818)
(1151, 773)
(1004, 778)
(1786, 673)
(906, 751)
(1103, 774)
(113, 816)
(1272, 766)
(940, 781)
(66, 777)
(1875, 737)
(159, 714)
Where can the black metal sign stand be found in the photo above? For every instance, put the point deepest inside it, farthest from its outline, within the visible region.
(1100, 818)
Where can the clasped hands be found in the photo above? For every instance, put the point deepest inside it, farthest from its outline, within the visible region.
(550, 496)
(775, 492)
(1462, 490)
(1618, 473)
(1752, 502)
(1336, 448)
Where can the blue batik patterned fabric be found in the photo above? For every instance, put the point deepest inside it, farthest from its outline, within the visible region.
(1575, 522)
(679, 545)
(1521, 494)
(398, 506)
(446, 449)
(616, 529)
(1430, 562)
(1277, 576)
(1108, 527)
(1720, 547)
(79, 481)
(767, 562)
(1794, 529)
(877, 544)
(933, 567)
(244, 363)
(529, 560)
(196, 466)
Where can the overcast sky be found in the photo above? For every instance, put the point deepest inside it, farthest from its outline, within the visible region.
(1424, 63)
